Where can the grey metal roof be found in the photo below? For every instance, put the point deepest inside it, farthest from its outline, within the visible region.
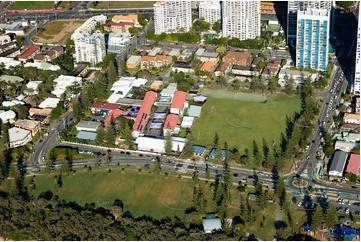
(194, 111)
(338, 161)
(86, 135)
(211, 224)
(88, 124)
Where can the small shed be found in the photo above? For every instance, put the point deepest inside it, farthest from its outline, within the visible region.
(194, 111)
(187, 122)
(200, 99)
(252, 197)
(156, 85)
(199, 150)
(211, 224)
(212, 154)
(85, 135)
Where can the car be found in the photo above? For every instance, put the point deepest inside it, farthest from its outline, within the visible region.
(109, 151)
(141, 155)
(300, 204)
(146, 165)
(354, 187)
(308, 157)
(342, 202)
(357, 212)
(122, 152)
(127, 153)
(347, 211)
(40, 141)
(235, 174)
(103, 154)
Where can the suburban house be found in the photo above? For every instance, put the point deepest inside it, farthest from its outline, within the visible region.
(19, 137)
(348, 136)
(179, 103)
(199, 150)
(174, 52)
(132, 18)
(102, 109)
(200, 99)
(169, 90)
(10, 79)
(171, 124)
(13, 52)
(213, 153)
(7, 116)
(353, 165)
(133, 61)
(29, 53)
(237, 58)
(204, 55)
(209, 66)
(110, 118)
(271, 69)
(211, 224)
(58, 50)
(40, 111)
(338, 164)
(185, 67)
(187, 122)
(86, 135)
(89, 126)
(194, 111)
(31, 125)
(156, 85)
(298, 76)
(123, 86)
(351, 118)
(118, 27)
(40, 58)
(244, 71)
(144, 112)
(155, 51)
(158, 61)
(157, 145)
(222, 68)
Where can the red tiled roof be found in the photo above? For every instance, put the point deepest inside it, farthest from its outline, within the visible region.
(179, 100)
(144, 111)
(109, 119)
(353, 164)
(28, 52)
(107, 106)
(171, 121)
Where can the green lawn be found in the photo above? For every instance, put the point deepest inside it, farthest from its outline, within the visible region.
(124, 4)
(240, 122)
(31, 5)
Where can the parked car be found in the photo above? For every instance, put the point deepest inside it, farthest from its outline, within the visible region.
(347, 211)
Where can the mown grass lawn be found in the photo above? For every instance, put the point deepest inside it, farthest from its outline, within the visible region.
(239, 122)
(31, 5)
(124, 4)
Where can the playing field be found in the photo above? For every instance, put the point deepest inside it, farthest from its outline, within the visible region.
(241, 122)
(57, 32)
(31, 5)
(124, 4)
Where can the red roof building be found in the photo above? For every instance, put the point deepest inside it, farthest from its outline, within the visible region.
(179, 102)
(353, 165)
(106, 106)
(109, 119)
(29, 53)
(171, 122)
(144, 111)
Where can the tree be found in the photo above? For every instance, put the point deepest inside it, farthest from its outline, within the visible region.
(217, 26)
(183, 86)
(281, 189)
(127, 135)
(317, 218)
(168, 142)
(346, 5)
(110, 136)
(111, 73)
(215, 139)
(188, 147)
(289, 87)
(257, 156)
(236, 85)
(221, 50)
(143, 19)
(65, 61)
(331, 218)
(156, 166)
(77, 110)
(100, 136)
(208, 172)
(272, 84)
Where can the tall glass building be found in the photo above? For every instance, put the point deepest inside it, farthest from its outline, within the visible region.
(313, 27)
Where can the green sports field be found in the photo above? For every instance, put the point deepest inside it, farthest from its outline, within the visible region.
(32, 5)
(241, 122)
(124, 4)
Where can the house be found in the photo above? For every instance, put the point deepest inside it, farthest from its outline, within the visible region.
(132, 18)
(40, 111)
(298, 76)
(29, 53)
(103, 109)
(337, 167)
(40, 58)
(58, 50)
(171, 124)
(351, 118)
(144, 112)
(244, 71)
(199, 150)
(8, 46)
(211, 224)
(194, 111)
(43, 66)
(179, 103)
(10, 79)
(186, 67)
(9, 62)
(31, 125)
(256, 61)
(271, 69)
(154, 51)
(62, 82)
(353, 165)
(13, 52)
(31, 88)
(19, 137)
(174, 52)
(157, 144)
(213, 153)
(89, 126)
(348, 136)
(209, 66)
(123, 86)
(346, 146)
(11, 103)
(237, 58)
(110, 118)
(122, 27)
(169, 90)
(79, 70)
(5, 39)
(85, 135)
(15, 28)
(156, 85)
(187, 122)
(133, 61)
(208, 56)
(7, 116)
(223, 68)
(158, 61)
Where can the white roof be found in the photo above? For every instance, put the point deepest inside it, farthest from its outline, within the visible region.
(12, 103)
(148, 143)
(62, 82)
(133, 59)
(123, 86)
(32, 85)
(170, 90)
(20, 97)
(88, 26)
(50, 102)
(7, 115)
(16, 134)
(43, 66)
(187, 122)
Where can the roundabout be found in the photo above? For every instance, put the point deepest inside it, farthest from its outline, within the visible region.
(299, 183)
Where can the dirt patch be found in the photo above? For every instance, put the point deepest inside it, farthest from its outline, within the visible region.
(57, 32)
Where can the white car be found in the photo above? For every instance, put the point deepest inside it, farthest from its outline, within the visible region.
(347, 211)
(300, 204)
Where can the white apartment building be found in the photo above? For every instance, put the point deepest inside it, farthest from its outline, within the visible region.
(241, 19)
(19, 137)
(313, 27)
(90, 48)
(117, 41)
(171, 16)
(294, 6)
(210, 11)
(356, 86)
